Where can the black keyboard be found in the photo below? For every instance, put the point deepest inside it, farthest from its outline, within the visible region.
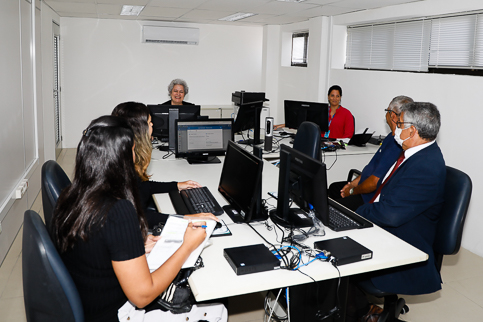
(198, 200)
(341, 218)
(338, 221)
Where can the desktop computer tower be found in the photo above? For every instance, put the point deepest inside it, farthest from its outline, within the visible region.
(307, 300)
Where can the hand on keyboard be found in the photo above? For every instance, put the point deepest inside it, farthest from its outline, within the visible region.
(188, 185)
(200, 200)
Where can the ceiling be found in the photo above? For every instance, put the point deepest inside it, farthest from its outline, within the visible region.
(268, 12)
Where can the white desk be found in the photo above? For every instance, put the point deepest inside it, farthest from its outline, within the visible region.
(217, 279)
(338, 162)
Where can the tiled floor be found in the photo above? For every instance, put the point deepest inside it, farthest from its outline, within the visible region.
(460, 300)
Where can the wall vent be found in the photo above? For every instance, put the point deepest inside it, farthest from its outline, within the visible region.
(171, 35)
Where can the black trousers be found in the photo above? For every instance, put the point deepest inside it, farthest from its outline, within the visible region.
(352, 202)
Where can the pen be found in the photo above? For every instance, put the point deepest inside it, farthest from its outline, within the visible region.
(201, 226)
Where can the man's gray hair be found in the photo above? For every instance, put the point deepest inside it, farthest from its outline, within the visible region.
(399, 101)
(425, 117)
(177, 81)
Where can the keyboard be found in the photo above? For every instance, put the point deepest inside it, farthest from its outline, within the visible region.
(338, 221)
(196, 200)
(341, 218)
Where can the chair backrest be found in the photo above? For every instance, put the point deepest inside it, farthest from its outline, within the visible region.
(457, 195)
(49, 291)
(307, 139)
(54, 180)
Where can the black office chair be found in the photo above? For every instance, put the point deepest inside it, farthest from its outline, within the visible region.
(307, 139)
(457, 195)
(49, 291)
(54, 180)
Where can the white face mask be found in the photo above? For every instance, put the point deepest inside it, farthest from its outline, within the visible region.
(397, 136)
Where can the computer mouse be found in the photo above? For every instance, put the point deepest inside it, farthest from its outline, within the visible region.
(218, 225)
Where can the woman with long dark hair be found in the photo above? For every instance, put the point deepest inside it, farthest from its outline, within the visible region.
(100, 230)
(138, 116)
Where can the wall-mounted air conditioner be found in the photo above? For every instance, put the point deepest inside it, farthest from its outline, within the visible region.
(171, 35)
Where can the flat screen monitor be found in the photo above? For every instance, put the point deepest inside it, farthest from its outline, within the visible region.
(248, 115)
(160, 117)
(241, 183)
(246, 118)
(297, 112)
(200, 141)
(303, 180)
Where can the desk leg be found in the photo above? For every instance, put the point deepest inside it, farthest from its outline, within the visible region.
(308, 299)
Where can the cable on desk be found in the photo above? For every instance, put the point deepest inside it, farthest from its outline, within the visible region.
(281, 257)
(332, 162)
(336, 309)
(168, 154)
(268, 207)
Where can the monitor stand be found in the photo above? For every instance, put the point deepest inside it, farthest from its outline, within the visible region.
(297, 218)
(203, 159)
(256, 129)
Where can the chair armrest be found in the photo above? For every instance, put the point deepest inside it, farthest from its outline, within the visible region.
(353, 174)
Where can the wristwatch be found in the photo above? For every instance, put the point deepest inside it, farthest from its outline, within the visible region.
(351, 191)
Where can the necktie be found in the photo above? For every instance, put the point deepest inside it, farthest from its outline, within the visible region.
(399, 161)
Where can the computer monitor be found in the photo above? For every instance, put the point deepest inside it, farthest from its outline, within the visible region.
(160, 117)
(200, 141)
(240, 184)
(304, 180)
(248, 116)
(297, 112)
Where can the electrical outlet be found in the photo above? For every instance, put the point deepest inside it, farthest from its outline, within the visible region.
(21, 189)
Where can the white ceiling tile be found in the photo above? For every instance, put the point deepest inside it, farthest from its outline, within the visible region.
(163, 12)
(109, 9)
(124, 2)
(369, 4)
(74, 7)
(233, 5)
(206, 14)
(209, 11)
(328, 10)
(280, 8)
(188, 4)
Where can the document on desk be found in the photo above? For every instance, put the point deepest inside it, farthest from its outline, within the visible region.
(172, 238)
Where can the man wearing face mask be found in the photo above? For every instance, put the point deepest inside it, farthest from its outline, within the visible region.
(361, 190)
(408, 200)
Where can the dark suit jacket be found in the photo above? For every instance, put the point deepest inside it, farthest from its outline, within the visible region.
(409, 207)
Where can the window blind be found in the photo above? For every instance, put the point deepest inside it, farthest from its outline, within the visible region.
(457, 42)
(391, 46)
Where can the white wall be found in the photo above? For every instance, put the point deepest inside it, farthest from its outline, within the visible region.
(297, 83)
(367, 93)
(105, 63)
(21, 142)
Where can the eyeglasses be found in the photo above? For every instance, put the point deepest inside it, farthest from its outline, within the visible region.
(399, 124)
(388, 110)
